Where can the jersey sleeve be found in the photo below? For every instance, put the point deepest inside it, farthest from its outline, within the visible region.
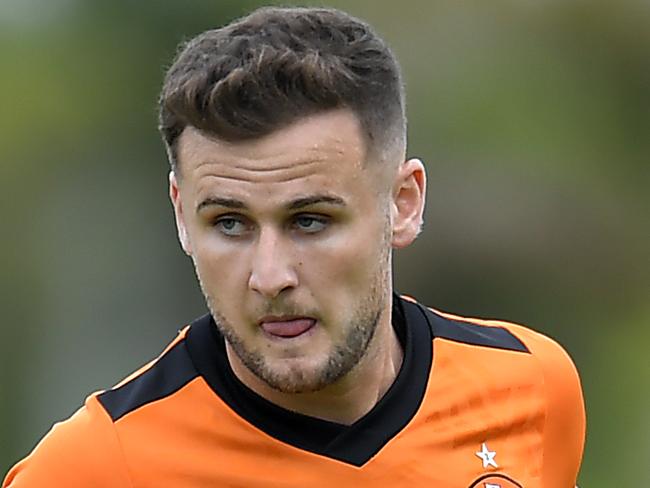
(82, 451)
(565, 420)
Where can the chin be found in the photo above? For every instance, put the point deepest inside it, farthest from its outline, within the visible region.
(296, 376)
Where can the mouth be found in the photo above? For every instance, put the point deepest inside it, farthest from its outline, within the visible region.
(286, 327)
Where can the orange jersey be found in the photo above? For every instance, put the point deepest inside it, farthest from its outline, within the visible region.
(475, 404)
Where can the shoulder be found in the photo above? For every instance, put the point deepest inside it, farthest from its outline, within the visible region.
(476, 335)
(86, 449)
(552, 364)
(80, 451)
(500, 356)
(565, 417)
(158, 379)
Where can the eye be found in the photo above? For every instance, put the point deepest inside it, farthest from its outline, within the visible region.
(231, 226)
(310, 224)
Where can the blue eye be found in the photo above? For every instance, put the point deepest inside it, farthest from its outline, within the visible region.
(231, 226)
(310, 223)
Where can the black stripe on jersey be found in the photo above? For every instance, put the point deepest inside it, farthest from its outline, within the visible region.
(169, 374)
(352, 444)
(474, 334)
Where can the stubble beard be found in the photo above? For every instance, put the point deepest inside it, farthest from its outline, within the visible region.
(340, 361)
(361, 326)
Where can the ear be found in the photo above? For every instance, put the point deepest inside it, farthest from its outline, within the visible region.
(175, 197)
(409, 192)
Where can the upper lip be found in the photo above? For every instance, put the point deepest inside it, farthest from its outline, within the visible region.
(282, 318)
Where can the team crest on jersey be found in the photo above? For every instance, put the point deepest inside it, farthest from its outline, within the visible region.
(495, 481)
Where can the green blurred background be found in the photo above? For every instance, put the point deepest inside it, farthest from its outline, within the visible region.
(533, 118)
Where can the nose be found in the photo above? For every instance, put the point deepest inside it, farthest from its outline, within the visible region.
(272, 270)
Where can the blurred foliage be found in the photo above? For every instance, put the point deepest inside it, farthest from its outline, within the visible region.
(533, 119)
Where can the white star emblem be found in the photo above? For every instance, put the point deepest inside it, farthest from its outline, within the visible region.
(487, 456)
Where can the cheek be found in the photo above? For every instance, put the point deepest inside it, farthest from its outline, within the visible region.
(220, 268)
(347, 266)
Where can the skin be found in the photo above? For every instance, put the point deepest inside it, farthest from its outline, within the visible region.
(298, 227)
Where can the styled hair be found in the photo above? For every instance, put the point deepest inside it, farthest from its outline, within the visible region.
(276, 65)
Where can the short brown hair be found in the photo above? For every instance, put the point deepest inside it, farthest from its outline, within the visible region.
(276, 65)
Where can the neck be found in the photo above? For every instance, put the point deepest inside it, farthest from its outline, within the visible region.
(351, 397)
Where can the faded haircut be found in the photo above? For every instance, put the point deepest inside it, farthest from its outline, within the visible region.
(276, 65)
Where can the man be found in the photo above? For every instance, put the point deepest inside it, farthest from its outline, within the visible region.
(286, 135)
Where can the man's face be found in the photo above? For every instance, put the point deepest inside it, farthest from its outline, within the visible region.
(290, 236)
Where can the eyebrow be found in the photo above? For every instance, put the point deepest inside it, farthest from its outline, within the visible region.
(315, 199)
(293, 205)
(221, 202)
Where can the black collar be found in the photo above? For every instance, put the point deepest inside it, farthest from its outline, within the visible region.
(354, 444)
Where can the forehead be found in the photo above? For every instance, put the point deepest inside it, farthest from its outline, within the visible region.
(335, 131)
(323, 149)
